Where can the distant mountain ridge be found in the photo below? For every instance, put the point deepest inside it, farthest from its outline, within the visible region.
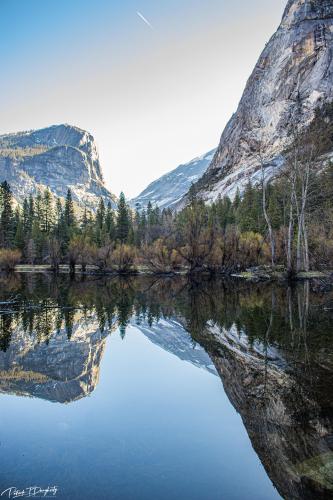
(168, 190)
(58, 157)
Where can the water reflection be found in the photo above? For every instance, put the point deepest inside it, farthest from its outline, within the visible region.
(270, 345)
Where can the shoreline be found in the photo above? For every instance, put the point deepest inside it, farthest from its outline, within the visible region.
(255, 275)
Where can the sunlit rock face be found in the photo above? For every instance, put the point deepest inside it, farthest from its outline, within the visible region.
(59, 369)
(286, 408)
(295, 71)
(58, 157)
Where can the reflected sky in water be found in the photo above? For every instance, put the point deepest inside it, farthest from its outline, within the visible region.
(149, 388)
(155, 427)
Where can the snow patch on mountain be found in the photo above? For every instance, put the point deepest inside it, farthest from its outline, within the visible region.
(169, 189)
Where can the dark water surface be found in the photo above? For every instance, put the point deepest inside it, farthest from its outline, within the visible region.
(148, 388)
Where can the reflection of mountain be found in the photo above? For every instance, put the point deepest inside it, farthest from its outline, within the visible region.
(172, 337)
(63, 370)
(60, 370)
(271, 346)
(286, 408)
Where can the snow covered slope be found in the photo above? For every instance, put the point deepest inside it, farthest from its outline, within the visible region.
(168, 190)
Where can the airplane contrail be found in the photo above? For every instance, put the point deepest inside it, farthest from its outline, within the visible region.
(145, 20)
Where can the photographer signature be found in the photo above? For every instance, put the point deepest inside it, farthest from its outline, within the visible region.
(30, 491)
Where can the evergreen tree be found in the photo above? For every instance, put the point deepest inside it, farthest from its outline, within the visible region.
(38, 210)
(84, 221)
(19, 239)
(47, 212)
(38, 240)
(26, 226)
(100, 214)
(100, 223)
(123, 219)
(69, 214)
(249, 213)
(7, 220)
(110, 228)
(275, 207)
(142, 228)
(59, 215)
(31, 214)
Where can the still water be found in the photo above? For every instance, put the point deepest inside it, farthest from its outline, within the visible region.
(149, 388)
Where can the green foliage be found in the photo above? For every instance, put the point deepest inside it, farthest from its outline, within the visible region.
(249, 212)
(222, 237)
(7, 220)
(123, 219)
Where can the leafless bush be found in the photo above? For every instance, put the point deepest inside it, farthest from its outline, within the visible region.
(9, 259)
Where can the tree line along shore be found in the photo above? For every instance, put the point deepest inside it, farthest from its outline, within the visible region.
(284, 224)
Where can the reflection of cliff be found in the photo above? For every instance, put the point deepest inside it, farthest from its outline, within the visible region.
(59, 370)
(288, 417)
(171, 336)
(271, 346)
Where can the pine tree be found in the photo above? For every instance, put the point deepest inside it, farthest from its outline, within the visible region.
(123, 220)
(47, 212)
(100, 214)
(26, 219)
(38, 210)
(237, 201)
(110, 228)
(275, 208)
(19, 239)
(31, 214)
(59, 214)
(84, 221)
(7, 221)
(142, 229)
(100, 224)
(38, 239)
(69, 211)
(249, 210)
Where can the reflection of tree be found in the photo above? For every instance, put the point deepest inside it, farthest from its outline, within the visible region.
(124, 302)
(266, 314)
(68, 315)
(6, 330)
(247, 330)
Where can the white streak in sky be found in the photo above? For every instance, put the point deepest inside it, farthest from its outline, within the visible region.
(145, 20)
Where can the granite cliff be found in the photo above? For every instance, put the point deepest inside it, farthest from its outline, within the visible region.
(58, 157)
(295, 70)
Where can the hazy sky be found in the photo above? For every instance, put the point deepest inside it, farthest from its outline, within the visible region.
(153, 97)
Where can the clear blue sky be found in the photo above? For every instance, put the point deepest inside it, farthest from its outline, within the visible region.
(153, 98)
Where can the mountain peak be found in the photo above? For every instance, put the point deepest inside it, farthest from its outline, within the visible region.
(60, 157)
(298, 11)
(295, 67)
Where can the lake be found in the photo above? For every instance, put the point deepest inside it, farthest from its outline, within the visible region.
(145, 388)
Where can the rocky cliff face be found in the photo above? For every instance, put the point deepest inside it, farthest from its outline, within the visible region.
(61, 370)
(171, 336)
(168, 190)
(285, 406)
(294, 70)
(59, 157)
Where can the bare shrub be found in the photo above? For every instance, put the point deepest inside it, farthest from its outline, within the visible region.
(160, 258)
(124, 258)
(9, 259)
